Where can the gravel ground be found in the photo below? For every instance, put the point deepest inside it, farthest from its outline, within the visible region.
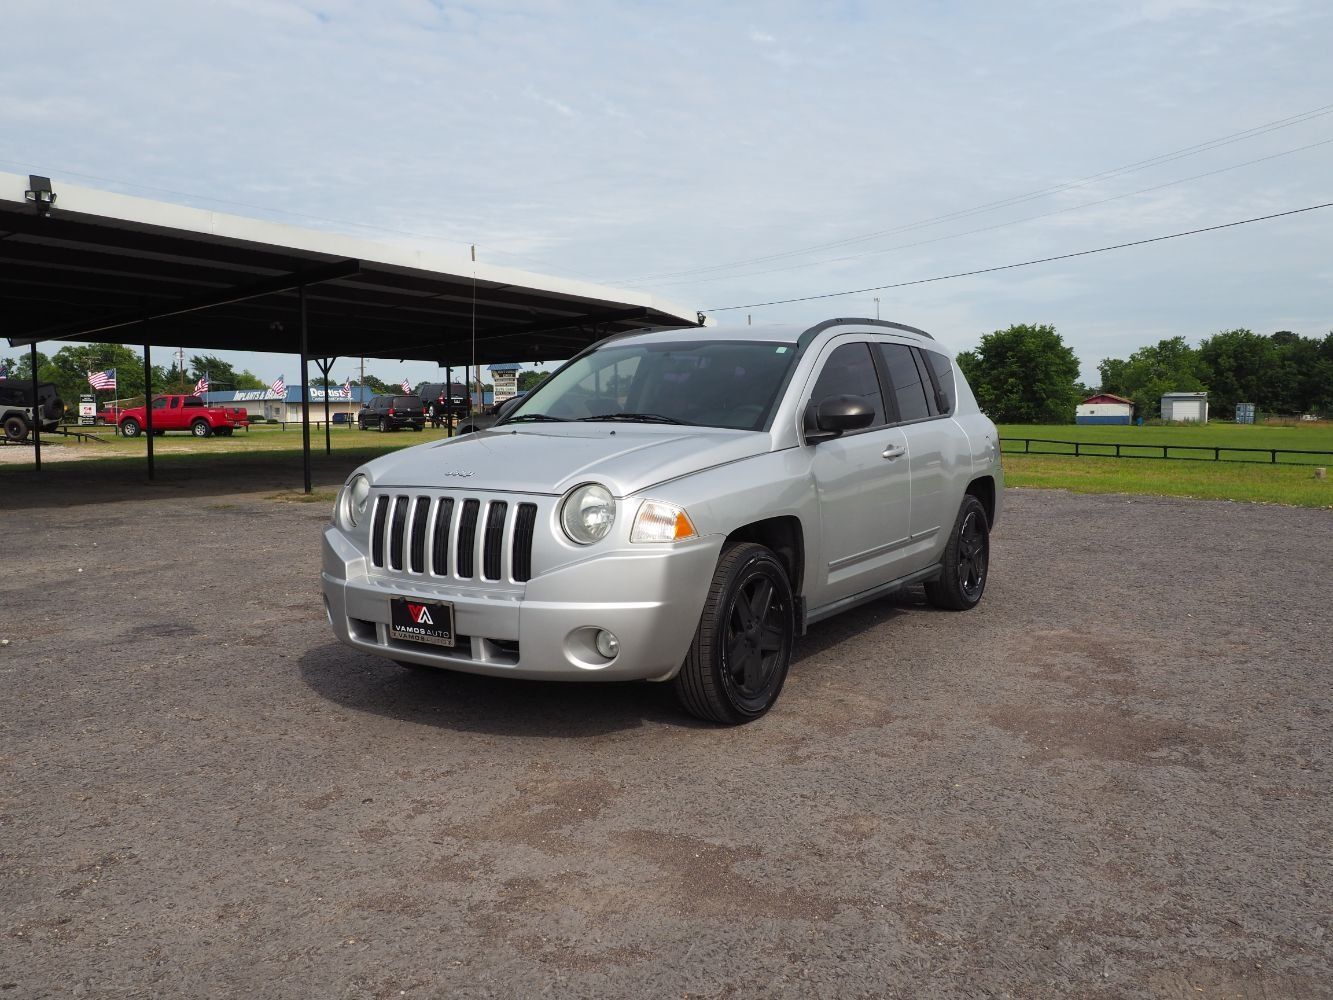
(1110, 780)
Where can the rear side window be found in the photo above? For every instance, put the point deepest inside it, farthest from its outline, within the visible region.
(904, 381)
(850, 371)
(943, 379)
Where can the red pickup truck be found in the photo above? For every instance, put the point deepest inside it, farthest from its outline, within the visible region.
(181, 413)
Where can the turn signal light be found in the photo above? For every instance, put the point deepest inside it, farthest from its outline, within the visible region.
(661, 522)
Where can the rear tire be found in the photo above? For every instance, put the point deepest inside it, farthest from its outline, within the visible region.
(966, 561)
(736, 666)
(16, 427)
(200, 429)
(130, 428)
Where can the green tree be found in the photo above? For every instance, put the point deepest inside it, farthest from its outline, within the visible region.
(376, 386)
(70, 366)
(1168, 366)
(1235, 365)
(1024, 375)
(529, 380)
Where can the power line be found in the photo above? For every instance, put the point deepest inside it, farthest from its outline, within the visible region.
(998, 225)
(1025, 263)
(1201, 147)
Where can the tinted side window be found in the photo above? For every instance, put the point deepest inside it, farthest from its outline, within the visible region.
(905, 381)
(850, 371)
(943, 379)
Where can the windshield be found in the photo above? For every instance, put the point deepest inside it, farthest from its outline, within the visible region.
(703, 383)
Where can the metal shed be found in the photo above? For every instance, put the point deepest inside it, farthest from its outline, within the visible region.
(1188, 407)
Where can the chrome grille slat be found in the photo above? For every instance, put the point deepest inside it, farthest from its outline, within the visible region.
(491, 564)
(444, 515)
(467, 539)
(397, 532)
(420, 515)
(524, 524)
(377, 533)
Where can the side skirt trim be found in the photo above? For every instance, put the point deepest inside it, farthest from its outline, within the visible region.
(829, 610)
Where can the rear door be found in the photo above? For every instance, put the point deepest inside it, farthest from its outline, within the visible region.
(933, 445)
(863, 483)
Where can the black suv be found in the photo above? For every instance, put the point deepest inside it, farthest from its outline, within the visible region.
(388, 413)
(446, 400)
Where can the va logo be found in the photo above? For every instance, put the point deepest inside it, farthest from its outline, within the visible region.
(420, 614)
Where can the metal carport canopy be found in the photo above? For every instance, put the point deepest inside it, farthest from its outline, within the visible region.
(100, 264)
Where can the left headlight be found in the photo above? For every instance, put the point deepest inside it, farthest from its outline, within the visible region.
(587, 513)
(355, 501)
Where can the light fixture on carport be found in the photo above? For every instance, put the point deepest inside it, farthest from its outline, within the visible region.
(40, 194)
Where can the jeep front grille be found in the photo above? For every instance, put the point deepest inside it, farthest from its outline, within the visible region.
(420, 534)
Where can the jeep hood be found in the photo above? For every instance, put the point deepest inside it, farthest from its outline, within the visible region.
(626, 458)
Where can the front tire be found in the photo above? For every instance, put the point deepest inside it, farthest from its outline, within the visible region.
(966, 561)
(130, 428)
(735, 668)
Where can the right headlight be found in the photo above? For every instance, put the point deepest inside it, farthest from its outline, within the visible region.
(355, 500)
(587, 513)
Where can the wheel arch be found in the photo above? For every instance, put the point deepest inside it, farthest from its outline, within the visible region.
(785, 536)
(983, 488)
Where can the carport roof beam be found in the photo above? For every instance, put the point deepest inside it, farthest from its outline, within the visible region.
(227, 296)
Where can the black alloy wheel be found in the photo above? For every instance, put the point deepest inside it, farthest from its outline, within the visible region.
(966, 560)
(736, 666)
(753, 642)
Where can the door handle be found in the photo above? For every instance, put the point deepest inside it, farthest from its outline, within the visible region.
(894, 451)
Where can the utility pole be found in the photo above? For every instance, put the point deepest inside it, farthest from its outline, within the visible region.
(876, 307)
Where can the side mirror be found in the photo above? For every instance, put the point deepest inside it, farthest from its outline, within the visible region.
(834, 415)
(507, 407)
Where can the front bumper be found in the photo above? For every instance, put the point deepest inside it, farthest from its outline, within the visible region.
(650, 597)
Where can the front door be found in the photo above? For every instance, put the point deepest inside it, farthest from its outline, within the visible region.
(863, 483)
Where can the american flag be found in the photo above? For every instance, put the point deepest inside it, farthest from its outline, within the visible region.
(202, 384)
(102, 380)
(347, 389)
(279, 387)
(407, 387)
(4, 370)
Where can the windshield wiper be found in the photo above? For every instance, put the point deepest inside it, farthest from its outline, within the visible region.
(639, 418)
(535, 416)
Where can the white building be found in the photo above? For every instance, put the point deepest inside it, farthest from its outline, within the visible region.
(286, 409)
(1188, 407)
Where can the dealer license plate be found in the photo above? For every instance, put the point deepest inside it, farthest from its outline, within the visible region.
(422, 621)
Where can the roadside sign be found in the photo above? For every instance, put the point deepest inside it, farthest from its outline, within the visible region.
(87, 409)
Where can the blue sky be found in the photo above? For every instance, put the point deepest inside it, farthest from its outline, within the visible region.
(639, 144)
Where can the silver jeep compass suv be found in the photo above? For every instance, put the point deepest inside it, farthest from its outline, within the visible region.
(675, 506)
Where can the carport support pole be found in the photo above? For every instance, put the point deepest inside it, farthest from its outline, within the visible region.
(36, 413)
(148, 403)
(305, 393)
(326, 366)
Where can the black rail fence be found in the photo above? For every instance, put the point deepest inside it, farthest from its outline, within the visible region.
(1176, 452)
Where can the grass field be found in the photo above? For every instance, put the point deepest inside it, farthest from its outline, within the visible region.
(1182, 474)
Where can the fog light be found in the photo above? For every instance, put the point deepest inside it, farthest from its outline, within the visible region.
(607, 644)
